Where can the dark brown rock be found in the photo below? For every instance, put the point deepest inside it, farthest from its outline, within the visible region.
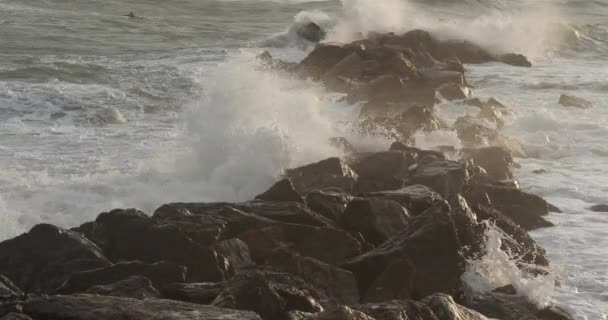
(282, 191)
(453, 91)
(43, 258)
(599, 208)
(337, 313)
(446, 177)
(16, 316)
(511, 307)
(136, 287)
(329, 173)
(384, 165)
(160, 273)
(378, 219)
(201, 293)
(236, 252)
(323, 58)
(497, 161)
(396, 310)
(330, 203)
(430, 243)
(416, 198)
(8, 288)
(396, 282)
(87, 307)
(514, 59)
(445, 308)
(575, 102)
(330, 245)
(311, 32)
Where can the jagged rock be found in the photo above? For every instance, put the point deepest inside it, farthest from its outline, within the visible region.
(340, 77)
(130, 235)
(416, 198)
(514, 59)
(384, 165)
(282, 191)
(8, 288)
(511, 307)
(474, 132)
(497, 161)
(253, 291)
(599, 208)
(202, 293)
(311, 32)
(378, 219)
(445, 308)
(334, 285)
(160, 273)
(43, 258)
(288, 212)
(396, 282)
(87, 307)
(493, 115)
(323, 58)
(523, 208)
(137, 287)
(329, 173)
(446, 177)
(330, 203)
(338, 313)
(453, 91)
(419, 153)
(330, 245)
(236, 252)
(396, 310)
(430, 243)
(575, 102)
(16, 316)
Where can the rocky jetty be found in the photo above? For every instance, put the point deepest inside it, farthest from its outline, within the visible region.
(371, 235)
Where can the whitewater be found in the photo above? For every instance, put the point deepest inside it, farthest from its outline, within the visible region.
(99, 111)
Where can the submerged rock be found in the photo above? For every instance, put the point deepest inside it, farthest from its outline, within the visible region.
(599, 208)
(311, 32)
(575, 102)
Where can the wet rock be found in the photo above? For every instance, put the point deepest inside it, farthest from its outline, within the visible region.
(599, 208)
(445, 308)
(289, 212)
(8, 288)
(474, 132)
(311, 32)
(340, 77)
(453, 91)
(43, 258)
(554, 313)
(330, 245)
(418, 153)
(136, 287)
(396, 282)
(575, 102)
(130, 235)
(539, 171)
(323, 58)
(16, 316)
(523, 208)
(446, 177)
(514, 59)
(384, 165)
(202, 293)
(160, 273)
(396, 310)
(86, 306)
(334, 285)
(282, 191)
(330, 203)
(510, 307)
(329, 173)
(497, 161)
(416, 198)
(430, 243)
(493, 115)
(236, 252)
(253, 291)
(338, 313)
(378, 219)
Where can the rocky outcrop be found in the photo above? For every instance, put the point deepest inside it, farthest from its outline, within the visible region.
(311, 32)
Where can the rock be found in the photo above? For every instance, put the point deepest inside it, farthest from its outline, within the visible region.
(201, 293)
(430, 243)
(330, 203)
(282, 191)
(473, 102)
(378, 219)
(86, 307)
(419, 153)
(497, 161)
(493, 115)
(384, 165)
(43, 258)
(398, 64)
(136, 287)
(514, 59)
(130, 235)
(330, 245)
(474, 132)
(329, 173)
(340, 77)
(599, 208)
(453, 91)
(288, 212)
(253, 291)
(396, 282)
(396, 310)
(511, 307)
(523, 208)
(160, 273)
(16, 316)
(338, 313)
(446, 177)
(575, 102)
(323, 58)
(416, 198)
(554, 313)
(539, 171)
(236, 252)
(311, 32)
(334, 285)
(8, 288)
(445, 308)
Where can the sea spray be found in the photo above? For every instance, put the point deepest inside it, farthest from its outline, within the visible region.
(497, 268)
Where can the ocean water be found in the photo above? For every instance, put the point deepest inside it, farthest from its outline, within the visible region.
(99, 111)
